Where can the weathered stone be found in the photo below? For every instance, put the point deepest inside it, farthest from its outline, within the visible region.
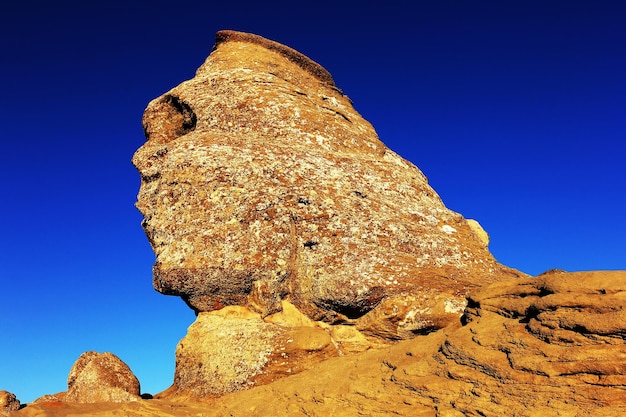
(8, 403)
(479, 231)
(234, 348)
(101, 377)
(260, 182)
(530, 347)
(551, 345)
(546, 346)
(48, 399)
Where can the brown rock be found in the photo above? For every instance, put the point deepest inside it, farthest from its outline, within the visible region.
(546, 346)
(234, 348)
(260, 182)
(56, 399)
(101, 377)
(8, 403)
(497, 364)
(551, 345)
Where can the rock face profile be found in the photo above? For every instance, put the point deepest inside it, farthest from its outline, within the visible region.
(260, 183)
(101, 377)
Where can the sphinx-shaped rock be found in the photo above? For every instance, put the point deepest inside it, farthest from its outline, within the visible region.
(101, 377)
(260, 182)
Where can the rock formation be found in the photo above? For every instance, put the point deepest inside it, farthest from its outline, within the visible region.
(553, 345)
(8, 403)
(101, 377)
(314, 256)
(234, 348)
(261, 184)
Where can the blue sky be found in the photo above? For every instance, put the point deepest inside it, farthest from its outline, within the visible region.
(514, 110)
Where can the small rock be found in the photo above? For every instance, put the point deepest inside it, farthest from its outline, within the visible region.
(101, 377)
(8, 403)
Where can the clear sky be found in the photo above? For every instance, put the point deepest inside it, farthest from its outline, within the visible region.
(514, 110)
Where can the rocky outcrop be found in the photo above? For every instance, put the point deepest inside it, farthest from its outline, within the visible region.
(551, 345)
(101, 377)
(260, 182)
(8, 403)
(546, 346)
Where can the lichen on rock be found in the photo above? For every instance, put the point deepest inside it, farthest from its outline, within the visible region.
(260, 184)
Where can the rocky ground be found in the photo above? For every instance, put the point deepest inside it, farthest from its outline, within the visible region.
(546, 346)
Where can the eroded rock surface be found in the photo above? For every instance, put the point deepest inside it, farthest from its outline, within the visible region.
(101, 377)
(551, 345)
(8, 403)
(261, 182)
(546, 346)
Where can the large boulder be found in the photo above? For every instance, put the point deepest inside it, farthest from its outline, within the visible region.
(101, 377)
(234, 349)
(261, 185)
(260, 182)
